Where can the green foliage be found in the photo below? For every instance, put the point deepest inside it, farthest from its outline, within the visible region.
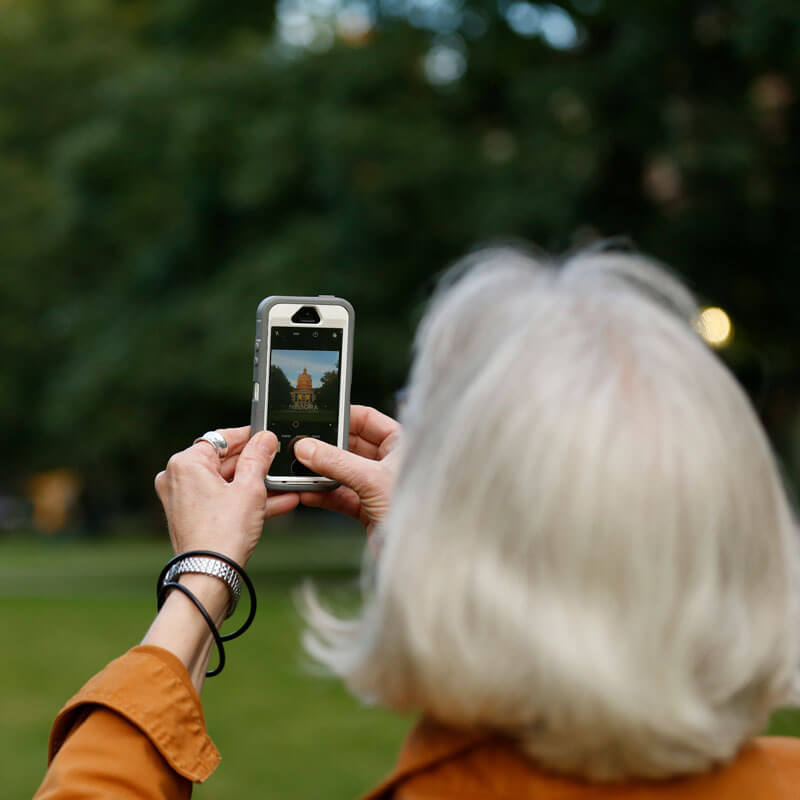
(279, 388)
(166, 165)
(328, 393)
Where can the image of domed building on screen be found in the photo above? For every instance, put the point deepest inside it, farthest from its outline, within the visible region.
(304, 395)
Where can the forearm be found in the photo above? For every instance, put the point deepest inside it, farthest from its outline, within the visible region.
(215, 499)
(181, 629)
(136, 730)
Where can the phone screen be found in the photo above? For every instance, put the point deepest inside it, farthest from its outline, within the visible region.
(303, 391)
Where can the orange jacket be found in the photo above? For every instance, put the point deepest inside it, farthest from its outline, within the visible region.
(136, 730)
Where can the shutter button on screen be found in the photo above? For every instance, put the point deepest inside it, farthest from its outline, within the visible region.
(290, 446)
(297, 467)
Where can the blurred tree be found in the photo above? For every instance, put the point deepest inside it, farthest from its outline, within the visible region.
(328, 393)
(166, 165)
(279, 388)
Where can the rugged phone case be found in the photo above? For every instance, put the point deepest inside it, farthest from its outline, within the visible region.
(261, 364)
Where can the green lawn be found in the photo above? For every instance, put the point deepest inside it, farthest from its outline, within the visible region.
(68, 607)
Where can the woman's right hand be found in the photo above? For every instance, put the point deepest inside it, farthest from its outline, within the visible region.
(366, 470)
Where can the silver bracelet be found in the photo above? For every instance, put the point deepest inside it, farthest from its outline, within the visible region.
(209, 566)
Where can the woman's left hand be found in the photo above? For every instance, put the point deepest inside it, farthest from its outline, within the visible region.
(221, 504)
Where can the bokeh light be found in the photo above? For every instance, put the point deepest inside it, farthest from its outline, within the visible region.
(445, 62)
(715, 326)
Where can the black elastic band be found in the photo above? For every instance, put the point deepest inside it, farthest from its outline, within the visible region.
(231, 563)
(162, 595)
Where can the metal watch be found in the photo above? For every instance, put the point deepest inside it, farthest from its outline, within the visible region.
(205, 565)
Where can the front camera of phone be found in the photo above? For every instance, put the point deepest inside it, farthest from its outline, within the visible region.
(307, 315)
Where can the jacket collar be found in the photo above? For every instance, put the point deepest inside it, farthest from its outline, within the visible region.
(427, 744)
(757, 772)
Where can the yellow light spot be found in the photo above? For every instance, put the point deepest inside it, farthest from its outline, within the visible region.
(715, 326)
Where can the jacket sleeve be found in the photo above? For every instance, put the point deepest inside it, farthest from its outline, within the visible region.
(135, 730)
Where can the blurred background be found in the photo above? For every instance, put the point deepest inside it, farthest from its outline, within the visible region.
(165, 165)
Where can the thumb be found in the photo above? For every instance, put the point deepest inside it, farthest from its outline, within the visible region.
(333, 462)
(255, 459)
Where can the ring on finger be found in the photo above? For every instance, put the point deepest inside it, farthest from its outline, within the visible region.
(216, 440)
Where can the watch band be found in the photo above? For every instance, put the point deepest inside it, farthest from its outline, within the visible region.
(209, 566)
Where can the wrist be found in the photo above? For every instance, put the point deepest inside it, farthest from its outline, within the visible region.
(210, 563)
(208, 588)
(181, 630)
(212, 592)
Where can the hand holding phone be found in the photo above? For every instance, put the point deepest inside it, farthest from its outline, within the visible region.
(301, 381)
(221, 504)
(367, 472)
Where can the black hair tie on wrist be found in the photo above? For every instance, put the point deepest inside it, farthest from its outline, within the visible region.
(211, 626)
(162, 589)
(231, 563)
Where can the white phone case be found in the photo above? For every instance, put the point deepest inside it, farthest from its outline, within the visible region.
(258, 411)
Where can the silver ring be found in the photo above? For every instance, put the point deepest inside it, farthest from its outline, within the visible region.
(216, 440)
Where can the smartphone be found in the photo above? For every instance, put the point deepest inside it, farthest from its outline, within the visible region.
(301, 381)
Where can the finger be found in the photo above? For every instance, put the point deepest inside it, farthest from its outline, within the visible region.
(203, 450)
(372, 425)
(362, 447)
(201, 455)
(236, 438)
(372, 451)
(159, 483)
(341, 500)
(228, 467)
(254, 460)
(332, 462)
(280, 503)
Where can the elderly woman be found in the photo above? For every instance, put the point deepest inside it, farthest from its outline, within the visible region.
(586, 570)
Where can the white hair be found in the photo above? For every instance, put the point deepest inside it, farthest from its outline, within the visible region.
(589, 549)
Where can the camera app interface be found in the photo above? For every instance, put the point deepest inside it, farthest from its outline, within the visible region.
(303, 391)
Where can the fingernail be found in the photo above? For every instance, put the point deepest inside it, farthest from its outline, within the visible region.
(305, 448)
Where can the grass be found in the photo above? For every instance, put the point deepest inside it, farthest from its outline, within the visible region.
(68, 607)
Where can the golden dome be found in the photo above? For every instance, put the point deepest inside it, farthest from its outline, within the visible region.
(304, 380)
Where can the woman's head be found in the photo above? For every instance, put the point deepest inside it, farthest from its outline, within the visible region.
(589, 547)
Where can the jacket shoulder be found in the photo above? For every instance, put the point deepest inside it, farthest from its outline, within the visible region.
(784, 753)
(438, 766)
